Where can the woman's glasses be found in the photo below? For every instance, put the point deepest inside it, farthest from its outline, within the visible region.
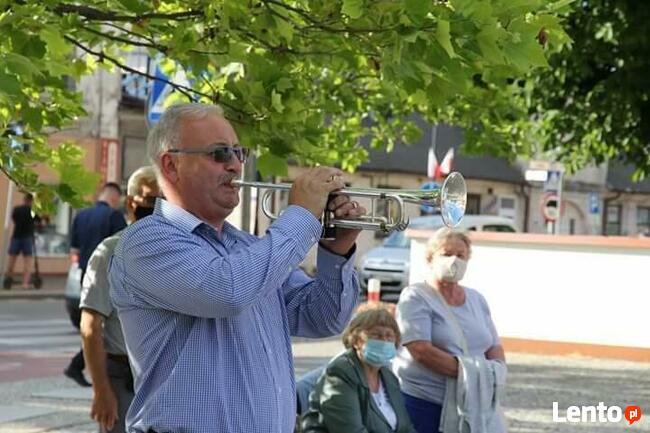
(222, 153)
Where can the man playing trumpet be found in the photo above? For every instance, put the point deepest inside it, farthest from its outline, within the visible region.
(208, 310)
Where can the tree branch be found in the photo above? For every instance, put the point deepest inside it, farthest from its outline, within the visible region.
(94, 14)
(185, 90)
(115, 38)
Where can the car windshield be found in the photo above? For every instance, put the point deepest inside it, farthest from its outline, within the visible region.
(397, 240)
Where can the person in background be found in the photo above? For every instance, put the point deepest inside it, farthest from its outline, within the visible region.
(22, 240)
(208, 310)
(430, 335)
(358, 392)
(89, 227)
(101, 333)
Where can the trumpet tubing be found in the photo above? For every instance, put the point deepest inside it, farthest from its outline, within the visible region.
(450, 199)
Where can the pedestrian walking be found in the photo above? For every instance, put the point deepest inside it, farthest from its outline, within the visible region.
(89, 227)
(101, 333)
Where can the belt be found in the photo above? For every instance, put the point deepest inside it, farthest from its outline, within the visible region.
(122, 359)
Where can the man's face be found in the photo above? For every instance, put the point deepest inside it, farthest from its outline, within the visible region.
(203, 183)
(146, 199)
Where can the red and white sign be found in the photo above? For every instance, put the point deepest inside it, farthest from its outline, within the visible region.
(551, 206)
(110, 160)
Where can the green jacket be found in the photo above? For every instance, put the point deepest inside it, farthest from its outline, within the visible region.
(341, 401)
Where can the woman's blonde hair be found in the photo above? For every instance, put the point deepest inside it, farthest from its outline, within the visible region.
(366, 318)
(441, 236)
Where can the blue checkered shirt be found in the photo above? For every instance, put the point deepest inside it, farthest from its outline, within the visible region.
(207, 318)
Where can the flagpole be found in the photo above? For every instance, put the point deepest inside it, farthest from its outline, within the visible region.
(434, 138)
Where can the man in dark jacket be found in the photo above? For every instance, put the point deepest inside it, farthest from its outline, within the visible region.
(91, 226)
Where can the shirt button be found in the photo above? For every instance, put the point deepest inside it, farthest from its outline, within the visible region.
(313, 239)
(337, 266)
(290, 269)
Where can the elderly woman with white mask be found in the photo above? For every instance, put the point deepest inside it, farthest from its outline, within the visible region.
(440, 319)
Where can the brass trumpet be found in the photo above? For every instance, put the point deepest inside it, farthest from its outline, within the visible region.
(450, 199)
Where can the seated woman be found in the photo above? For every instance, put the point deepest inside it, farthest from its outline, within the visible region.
(357, 392)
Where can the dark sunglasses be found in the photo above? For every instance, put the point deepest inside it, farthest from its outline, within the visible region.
(221, 153)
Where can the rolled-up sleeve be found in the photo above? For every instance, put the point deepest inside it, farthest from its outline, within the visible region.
(322, 306)
(163, 266)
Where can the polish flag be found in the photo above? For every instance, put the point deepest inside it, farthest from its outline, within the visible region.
(447, 162)
(432, 164)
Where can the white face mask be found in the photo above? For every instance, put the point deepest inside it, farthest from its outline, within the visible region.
(449, 268)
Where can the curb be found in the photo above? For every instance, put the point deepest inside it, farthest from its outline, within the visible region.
(30, 294)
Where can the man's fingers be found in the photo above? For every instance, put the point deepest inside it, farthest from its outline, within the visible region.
(351, 209)
(326, 174)
(337, 201)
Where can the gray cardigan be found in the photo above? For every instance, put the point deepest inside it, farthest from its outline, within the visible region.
(342, 402)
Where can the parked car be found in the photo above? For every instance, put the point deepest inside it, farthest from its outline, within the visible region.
(390, 262)
(72, 294)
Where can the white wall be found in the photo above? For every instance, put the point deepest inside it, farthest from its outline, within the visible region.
(579, 289)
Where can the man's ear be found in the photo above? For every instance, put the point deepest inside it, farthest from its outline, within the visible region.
(129, 204)
(168, 168)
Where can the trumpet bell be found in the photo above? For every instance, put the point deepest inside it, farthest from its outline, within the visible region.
(453, 199)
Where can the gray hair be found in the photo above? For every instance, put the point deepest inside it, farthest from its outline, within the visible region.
(165, 134)
(441, 236)
(143, 176)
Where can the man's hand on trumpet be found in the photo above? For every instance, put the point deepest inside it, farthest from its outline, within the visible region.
(311, 191)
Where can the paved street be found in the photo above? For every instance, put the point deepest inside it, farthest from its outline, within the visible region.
(36, 341)
(36, 338)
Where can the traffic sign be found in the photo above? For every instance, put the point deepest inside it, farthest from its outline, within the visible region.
(594, 203)
(553, 181)
(551, 206)
(160, 90)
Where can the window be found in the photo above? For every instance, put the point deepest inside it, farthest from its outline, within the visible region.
(473, 204)
(507, 207)
(52, 238)
(613, 220)
(643, 219)
(498, 228)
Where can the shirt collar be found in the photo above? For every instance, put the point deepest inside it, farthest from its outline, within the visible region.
(177, 215)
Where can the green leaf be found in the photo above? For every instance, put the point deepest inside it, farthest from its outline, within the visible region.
(487, 42)
(135, 6)
(56, 44)
(352, 8)
(444, 38)
(417, 10)
(284, 28)
(559, 6)
(9, 84)
(283, 84)
(276, 101)
(270, 164)
(21, 65)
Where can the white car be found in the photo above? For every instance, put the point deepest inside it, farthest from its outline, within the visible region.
(390, 262)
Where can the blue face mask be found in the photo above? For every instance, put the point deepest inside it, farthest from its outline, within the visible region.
(379, 353)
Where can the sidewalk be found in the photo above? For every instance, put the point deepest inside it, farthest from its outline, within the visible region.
(56, 405)
(53, 287)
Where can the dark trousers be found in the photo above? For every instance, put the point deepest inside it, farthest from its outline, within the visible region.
(119, 374)
(78, 362)
(424, 415)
